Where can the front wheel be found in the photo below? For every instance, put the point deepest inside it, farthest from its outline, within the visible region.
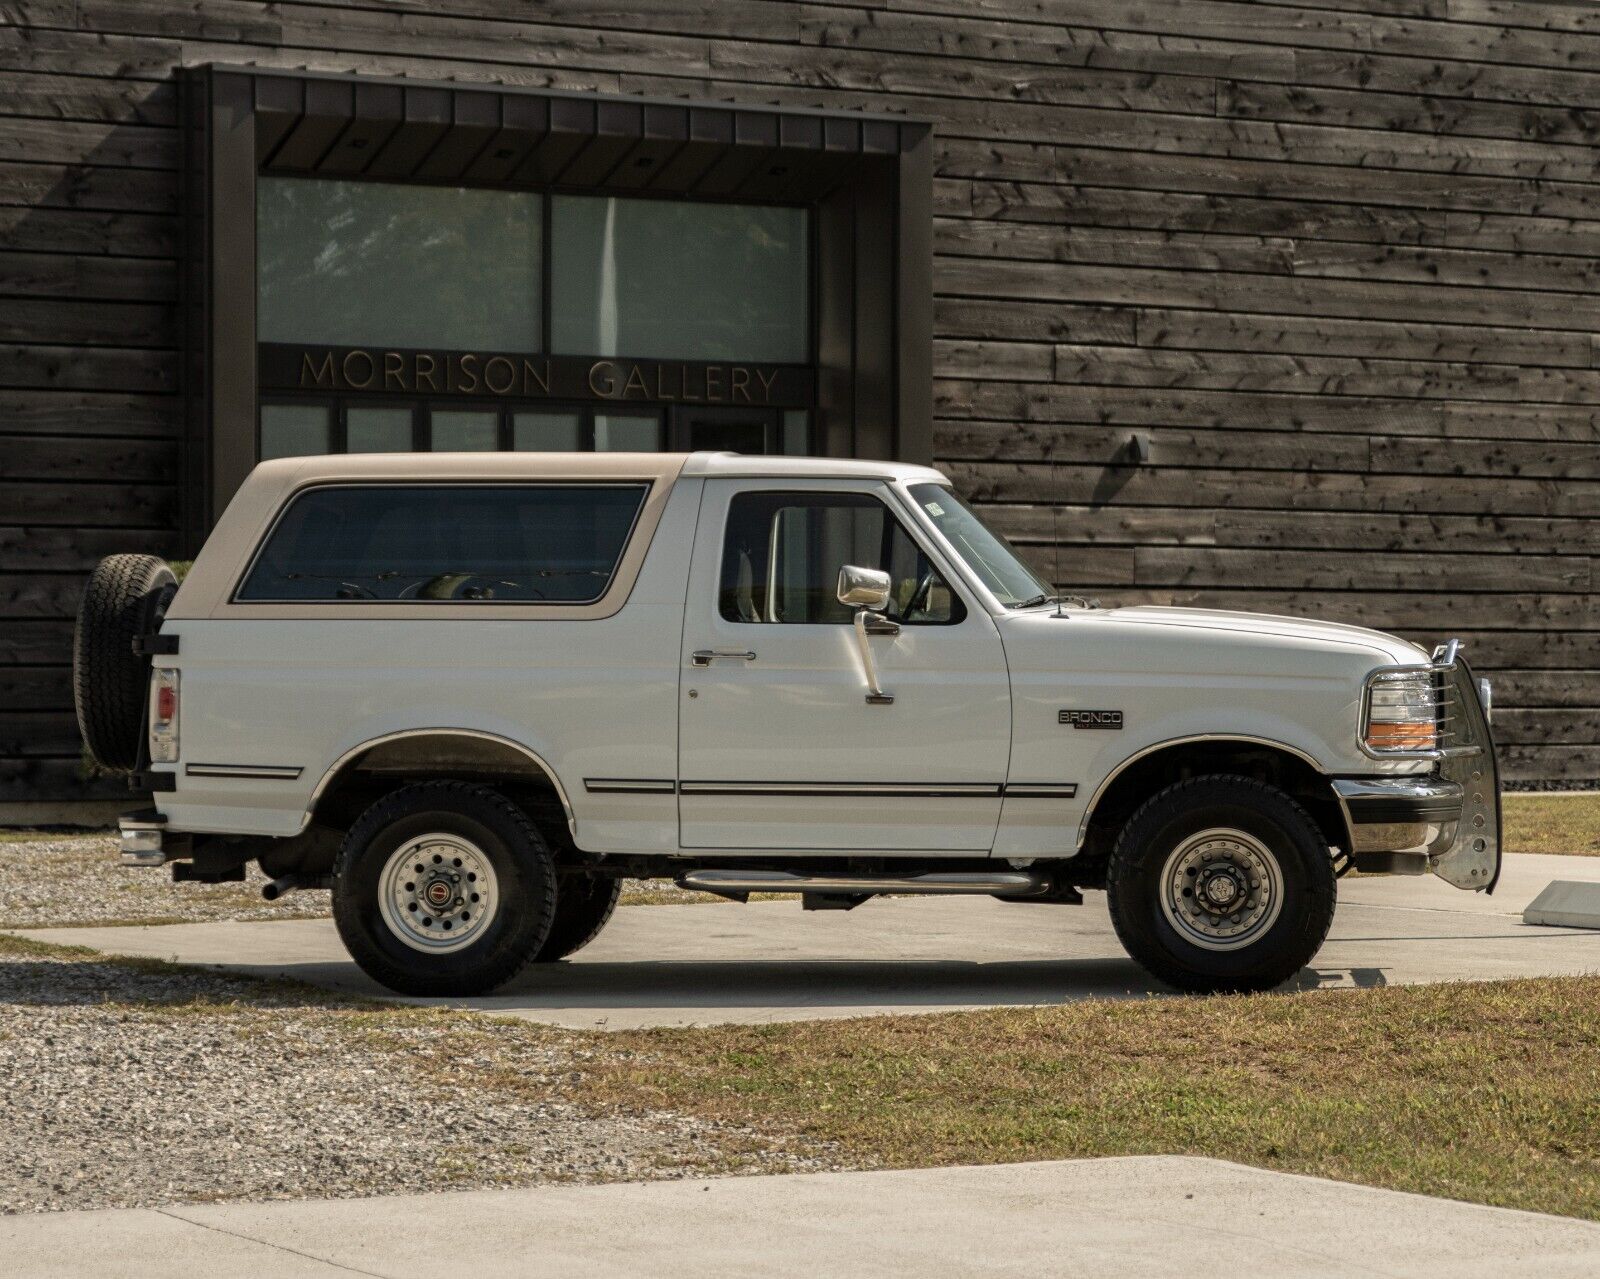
(443, 888)
(1221, 884)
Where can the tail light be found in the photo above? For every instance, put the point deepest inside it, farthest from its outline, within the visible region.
(163, 716)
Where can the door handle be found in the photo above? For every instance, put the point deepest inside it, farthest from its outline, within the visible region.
(705, 656)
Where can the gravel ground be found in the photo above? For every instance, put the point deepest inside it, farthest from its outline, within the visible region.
(61, 881)
(64, 880)
(140, 1084)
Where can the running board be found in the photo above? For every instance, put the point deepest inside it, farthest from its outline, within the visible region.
(739, 884)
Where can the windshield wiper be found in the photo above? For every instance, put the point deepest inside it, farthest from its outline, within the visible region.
(1035, 601)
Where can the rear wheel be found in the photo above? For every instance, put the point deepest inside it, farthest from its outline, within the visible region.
(583, 906)
(125, 598)
(443, 888)
(1221, 884)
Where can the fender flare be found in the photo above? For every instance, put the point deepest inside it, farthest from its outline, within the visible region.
(356, 751)
(1154, 747)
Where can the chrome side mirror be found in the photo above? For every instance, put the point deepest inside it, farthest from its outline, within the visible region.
(867, 590)
(863, 587)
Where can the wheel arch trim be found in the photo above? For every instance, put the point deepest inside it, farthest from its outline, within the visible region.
(1245, 738)
(355, 752)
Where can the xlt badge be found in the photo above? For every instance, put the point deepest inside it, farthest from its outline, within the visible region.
(1092, 719)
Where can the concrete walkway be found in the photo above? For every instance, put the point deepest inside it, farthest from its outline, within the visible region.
(1106, 1218)
(771, 961)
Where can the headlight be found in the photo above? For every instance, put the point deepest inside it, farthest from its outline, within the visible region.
(1402, 714)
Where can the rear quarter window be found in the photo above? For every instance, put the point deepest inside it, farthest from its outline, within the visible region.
(524, 543)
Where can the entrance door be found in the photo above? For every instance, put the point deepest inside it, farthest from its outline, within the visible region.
(719, 429)
(778, 744)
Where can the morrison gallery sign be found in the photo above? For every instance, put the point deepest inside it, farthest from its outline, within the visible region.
(358, 370)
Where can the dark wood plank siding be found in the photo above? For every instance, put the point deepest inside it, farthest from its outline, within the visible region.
(1337, 261)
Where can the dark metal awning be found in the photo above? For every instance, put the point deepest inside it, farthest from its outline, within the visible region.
(405, 130)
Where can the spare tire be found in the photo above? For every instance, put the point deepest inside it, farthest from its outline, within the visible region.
(127, 596)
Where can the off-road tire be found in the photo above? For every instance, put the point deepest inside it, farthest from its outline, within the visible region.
(1161, 824)
(125, 598)
(583, 906)
(523, 868)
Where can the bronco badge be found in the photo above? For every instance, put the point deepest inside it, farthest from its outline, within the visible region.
(1092, 719)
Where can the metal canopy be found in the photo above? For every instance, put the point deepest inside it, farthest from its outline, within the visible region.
(403, 130)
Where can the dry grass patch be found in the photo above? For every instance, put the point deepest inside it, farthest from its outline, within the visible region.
(1487, 1092)
(1554, 823)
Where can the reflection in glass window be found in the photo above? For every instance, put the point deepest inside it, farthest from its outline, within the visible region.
(465, 430)
(294, 430)
(368, 430)
(671, 279)
(782, 554)
(429, 543)
(627, 432)
(381, 264)
(547, 432)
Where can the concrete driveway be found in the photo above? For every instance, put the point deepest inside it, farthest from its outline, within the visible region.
(771, 962)
(1108, 1218)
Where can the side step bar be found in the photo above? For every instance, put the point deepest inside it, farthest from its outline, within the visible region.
(739, 884)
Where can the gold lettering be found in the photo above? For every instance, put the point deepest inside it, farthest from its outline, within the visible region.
(603, 385)
(511, 375)
(636, 378)
(683, 377)
(532, 377)
(661, 387)
(394, 370)
(359, 384)
(316, 372)
(427, 368)
(741, 384)
(713, 383)
(469, 373)
(767, 379)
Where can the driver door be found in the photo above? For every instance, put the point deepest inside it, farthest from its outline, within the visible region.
(779, 747)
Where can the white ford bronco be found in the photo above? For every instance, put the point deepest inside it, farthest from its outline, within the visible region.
(471, 693)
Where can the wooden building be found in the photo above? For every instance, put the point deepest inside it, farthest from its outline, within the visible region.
(1285, 307)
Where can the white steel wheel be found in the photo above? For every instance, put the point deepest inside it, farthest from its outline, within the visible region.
(1221, 889)
(438, 893)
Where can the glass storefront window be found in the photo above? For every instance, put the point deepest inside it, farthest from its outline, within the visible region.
(546, 432)
(295, 430)
(465, 430)
(796, 432)
(627, 432)
(668, 279)
(382, 264)
(369, 430)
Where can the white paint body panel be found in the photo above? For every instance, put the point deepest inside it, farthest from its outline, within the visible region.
(798, 714)
(976, 704)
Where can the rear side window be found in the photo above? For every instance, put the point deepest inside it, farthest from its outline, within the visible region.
(526, 543)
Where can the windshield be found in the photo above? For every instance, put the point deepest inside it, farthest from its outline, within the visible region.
(985, 552)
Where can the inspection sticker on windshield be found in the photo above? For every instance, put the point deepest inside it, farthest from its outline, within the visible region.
(933, 509)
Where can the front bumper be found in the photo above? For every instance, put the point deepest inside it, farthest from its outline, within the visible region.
(1398, 823)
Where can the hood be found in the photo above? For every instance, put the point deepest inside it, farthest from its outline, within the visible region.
(1389, 648)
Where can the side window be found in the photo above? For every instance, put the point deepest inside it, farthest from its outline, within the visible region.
(782, 553)
(526, 543)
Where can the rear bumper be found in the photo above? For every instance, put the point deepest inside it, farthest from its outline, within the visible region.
(144, 840)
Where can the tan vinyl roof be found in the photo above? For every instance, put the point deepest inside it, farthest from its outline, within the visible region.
(206, 591)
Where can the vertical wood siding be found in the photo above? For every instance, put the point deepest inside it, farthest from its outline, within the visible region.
(1337, 261)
